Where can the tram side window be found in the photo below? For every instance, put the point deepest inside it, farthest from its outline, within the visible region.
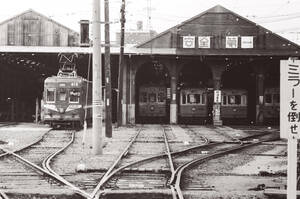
(152, 97)
(224, 99)
(231, 99)
(62, 95)
(203, 98)
(276, 98)
(74, 95)
(234, 99)
(183, 99)
(197, 98)
(268, 98)
(50, 95)
(238, 99)
(244, 99)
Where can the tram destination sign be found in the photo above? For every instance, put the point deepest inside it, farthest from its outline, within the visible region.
(217, 96)
(290, 99)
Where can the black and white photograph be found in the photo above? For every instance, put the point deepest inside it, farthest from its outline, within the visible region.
(149, 99)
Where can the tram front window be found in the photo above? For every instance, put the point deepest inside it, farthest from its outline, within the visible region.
(50, 95)
(152, 97)
(161, 97)
(74, 95)
(194, 98)
(143, 97)
(62, 96)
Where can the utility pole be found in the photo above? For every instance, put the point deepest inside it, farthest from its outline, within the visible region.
(108, 106)
(97, 81)
(121, 64)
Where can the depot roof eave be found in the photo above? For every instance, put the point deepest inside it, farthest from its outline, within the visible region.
(81, 50)
(150, 51)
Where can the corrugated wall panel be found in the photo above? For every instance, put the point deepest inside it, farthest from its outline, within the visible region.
(63, 37)
(33, 29)
(49, 33)
(3, 34)
(19, 37)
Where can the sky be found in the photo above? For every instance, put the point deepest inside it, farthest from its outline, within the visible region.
(279, 16)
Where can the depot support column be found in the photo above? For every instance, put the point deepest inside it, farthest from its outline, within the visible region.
(124, 92)
(97, 81)
(131, 106)
(173, 104)
(217, 74)
(260, 97)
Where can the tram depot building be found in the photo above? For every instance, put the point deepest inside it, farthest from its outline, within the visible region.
(215, 68)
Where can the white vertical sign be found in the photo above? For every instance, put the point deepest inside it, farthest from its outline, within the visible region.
(217, 96)
(290, 118)
(289, 99)
(188, 42)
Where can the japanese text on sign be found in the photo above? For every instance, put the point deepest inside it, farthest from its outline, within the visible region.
(289, 99)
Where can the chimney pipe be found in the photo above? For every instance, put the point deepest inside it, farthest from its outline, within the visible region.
(84, 33)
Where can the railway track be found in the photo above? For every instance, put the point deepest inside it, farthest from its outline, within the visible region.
(213, 153)
(21, 171)
(129, 172)
(134, 175)
(192, 155)
(140, 147)
(120, 176)
(51, 142)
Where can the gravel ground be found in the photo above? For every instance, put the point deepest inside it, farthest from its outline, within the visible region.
(79, 154)
(232, 176)
(238, 175)
(17, 136)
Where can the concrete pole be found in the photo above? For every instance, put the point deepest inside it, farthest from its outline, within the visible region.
(292, 168)
(97, 81)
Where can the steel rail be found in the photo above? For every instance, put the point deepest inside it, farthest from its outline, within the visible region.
(3, 195)
(173, 176)
(181, 168)
(150, 158)
(46, 166)
(173, 190)
(47, 160)
(110, 171)
(206, 144)
(168, 151)
(29, 145)
(47, 173)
